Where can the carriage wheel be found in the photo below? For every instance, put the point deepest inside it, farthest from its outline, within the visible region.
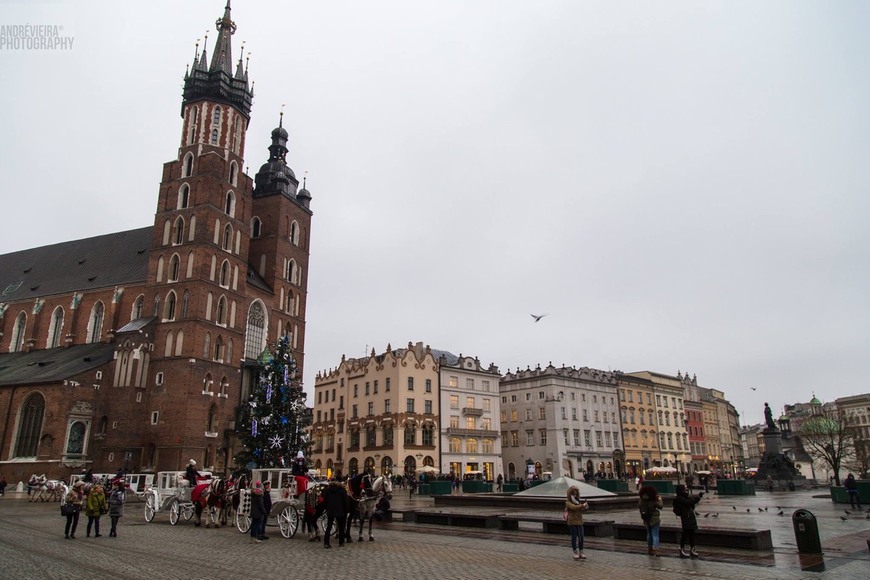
(149, 508)
(288, 521)
(321, 523)
(187, 512)
(174, 512)
(243, 522)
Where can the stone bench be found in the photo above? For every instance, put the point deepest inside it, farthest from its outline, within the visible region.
(598, 529)
(719, 537)
(452, 519)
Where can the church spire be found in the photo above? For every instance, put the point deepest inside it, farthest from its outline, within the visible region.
(221, 58)
(215, 81)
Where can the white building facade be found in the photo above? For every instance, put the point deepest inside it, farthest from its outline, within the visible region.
(560, 421)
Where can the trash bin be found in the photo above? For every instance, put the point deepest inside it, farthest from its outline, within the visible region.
(806, 532)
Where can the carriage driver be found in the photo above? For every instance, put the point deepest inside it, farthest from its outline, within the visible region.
(300, 472)
(191, 473)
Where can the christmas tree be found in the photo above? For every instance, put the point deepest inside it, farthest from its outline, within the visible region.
(272, 419)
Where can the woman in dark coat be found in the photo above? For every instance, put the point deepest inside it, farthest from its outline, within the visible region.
(117, 497)
(684, 506)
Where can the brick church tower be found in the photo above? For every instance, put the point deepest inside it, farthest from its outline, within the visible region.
(179, 312)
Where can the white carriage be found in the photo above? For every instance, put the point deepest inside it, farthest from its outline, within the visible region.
(172, 493)
(136, 483)
(287, 508)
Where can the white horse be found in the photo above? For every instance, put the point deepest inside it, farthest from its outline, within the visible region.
(46, 489)
(381, 487)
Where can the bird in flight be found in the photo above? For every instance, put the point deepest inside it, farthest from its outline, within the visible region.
(537, 317)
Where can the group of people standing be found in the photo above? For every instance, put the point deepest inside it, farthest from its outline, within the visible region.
(651, 504)
(96, 503)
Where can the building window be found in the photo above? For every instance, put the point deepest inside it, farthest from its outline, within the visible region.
(454, 421)
(515, 438)
(55, 331)
(410, 435)
(371, 436)
(371, 407)
(75, 443)
(470, 423)
(388, 436)
(30, 426)
(469, 402)
(530, 437)
(587, 438)
(410, 383)
(375, 388)
(427, 407)
(255, 339)
(353, 411)
(95, 326)
(454, 401)
(427, 435)
(428, 385)
(471, 446)
(214, 136)
(455, 445)
(542, 413)
(410, 406)
(386, 406)
(543, 434)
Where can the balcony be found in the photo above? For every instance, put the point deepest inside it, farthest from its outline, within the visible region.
(471, 432)
(473, 411)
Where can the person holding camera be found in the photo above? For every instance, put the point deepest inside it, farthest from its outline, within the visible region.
(574, 508)
(650, 504)
(684, 506)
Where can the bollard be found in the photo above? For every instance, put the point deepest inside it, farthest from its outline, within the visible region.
(806, 532)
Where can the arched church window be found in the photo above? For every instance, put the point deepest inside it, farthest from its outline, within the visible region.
(187, 166)
(55, 330)
(214, 137)
(18, 333)
(184, 195)
(95, 324)
(30, 426)
(255, 331)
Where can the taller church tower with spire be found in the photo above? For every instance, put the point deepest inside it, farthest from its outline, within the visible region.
(228, 266)
(137, 350)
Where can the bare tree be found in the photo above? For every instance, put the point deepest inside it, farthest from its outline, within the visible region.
(829, 438)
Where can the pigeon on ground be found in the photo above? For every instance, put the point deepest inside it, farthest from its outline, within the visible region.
(716, 515)
(761, 510)
(765, 509)
(848, 513)
(697, 514)
(753, 388)
(844, 518)
(780, 513)
(537, 317)
(747, 510)
(734, 508)
(868, 515)
(706, 515)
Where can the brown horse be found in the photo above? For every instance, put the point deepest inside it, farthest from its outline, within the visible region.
(208, 496)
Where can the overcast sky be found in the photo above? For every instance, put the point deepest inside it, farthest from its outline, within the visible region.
(677, 185)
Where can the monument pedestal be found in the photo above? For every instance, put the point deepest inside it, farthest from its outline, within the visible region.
(777, 465)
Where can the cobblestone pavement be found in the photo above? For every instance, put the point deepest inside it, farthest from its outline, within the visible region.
(32, 546)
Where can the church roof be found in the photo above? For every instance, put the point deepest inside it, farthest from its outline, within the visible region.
(53, 364)
(88, 264)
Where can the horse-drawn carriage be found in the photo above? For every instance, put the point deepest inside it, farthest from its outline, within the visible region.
(288, 501)
(173, 493)
(40, 488)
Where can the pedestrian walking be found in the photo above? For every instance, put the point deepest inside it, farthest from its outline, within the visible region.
(852, 489)
(257, 512)
(684, 507)
(95, 507)
(117, 497)
(74, 497)
(574, 508)
(337, 502)
(498, 482)
(769, 484)
(650, 505)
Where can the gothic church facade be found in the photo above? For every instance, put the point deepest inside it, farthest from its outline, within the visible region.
(135, 350)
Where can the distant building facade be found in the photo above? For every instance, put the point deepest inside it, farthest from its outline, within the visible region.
(561, 421)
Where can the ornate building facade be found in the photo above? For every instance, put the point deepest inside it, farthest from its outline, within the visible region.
(134, 350)
(562, 421)
(378, 413)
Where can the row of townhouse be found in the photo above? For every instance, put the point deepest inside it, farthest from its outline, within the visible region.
(414, 408)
